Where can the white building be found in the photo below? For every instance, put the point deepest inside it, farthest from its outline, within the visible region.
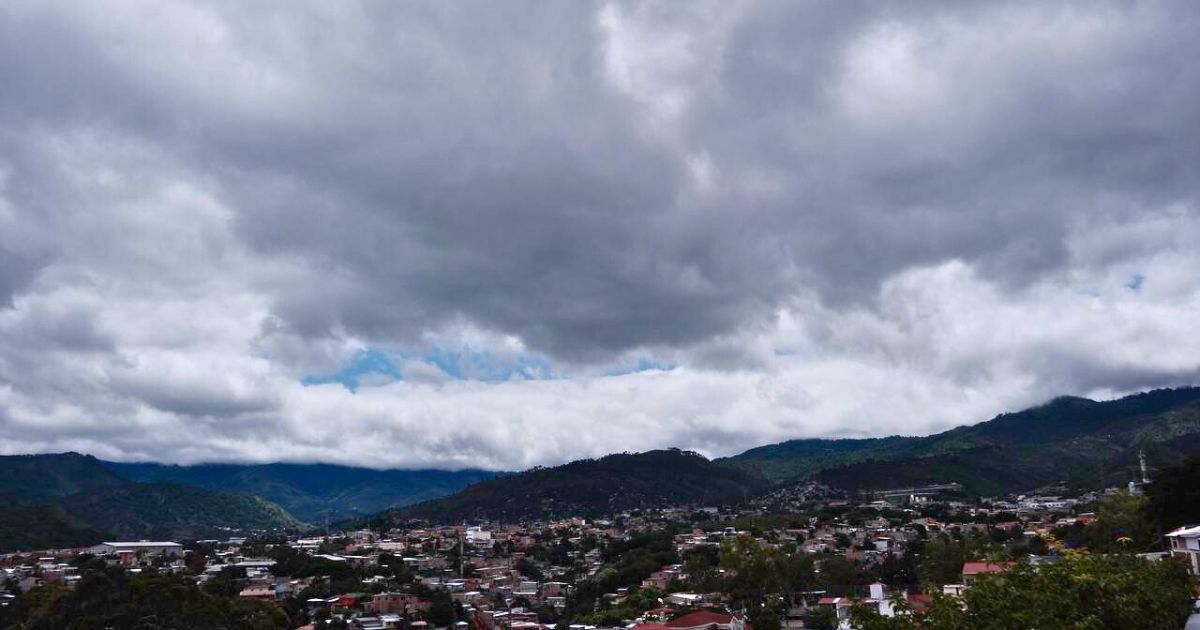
(1185, 544)
(479, 536)
(144, 547)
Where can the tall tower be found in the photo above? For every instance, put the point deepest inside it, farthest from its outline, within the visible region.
(1142, 462)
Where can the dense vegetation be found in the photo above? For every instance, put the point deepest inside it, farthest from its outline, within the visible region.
(312, 492)
(33, 478)
(72, 500)
(158, 511)
(44, 527)
(1084, 443)
(593, 487)
(1174, 497)
(801, 458)
(1081, 591)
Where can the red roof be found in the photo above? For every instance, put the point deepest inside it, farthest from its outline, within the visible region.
(975, 568)
(699, 619)
(649, 626)
(919, 601)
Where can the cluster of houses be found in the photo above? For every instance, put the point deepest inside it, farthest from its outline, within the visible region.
(506, 576)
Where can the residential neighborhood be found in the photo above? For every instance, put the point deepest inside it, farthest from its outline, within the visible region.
(684, 568)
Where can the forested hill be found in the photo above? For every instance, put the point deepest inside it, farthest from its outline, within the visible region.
(312, 492)
(1082, 442)
(70, 500)
(25, 478)
(593, 487)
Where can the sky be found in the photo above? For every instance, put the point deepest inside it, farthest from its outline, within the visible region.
(506, 234)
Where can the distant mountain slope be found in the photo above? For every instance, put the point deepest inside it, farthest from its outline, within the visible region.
(68, 499)
(34, 478)
(798, 458)
(167, 511)
(593, 487)
(24, 527)
(1079, 441)
(312, 492)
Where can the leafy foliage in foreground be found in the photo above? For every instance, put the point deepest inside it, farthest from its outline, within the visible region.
(1081, 591)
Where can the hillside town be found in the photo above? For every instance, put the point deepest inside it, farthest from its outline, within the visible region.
(828, 563)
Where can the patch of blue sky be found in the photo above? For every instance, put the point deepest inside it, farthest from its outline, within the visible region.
(365, 362)
(481, 365)
(457, 363)
(643, 364)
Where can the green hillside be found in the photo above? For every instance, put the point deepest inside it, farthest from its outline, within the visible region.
(168, 511)
(33, 478)
(44, 527)
(799, 458)
(593, 487)
(68, 500)
(1081, 442)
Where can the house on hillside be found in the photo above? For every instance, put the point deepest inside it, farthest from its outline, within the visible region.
(972, 570)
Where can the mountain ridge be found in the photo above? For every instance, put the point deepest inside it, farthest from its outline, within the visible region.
(605, 485)
(70, 500)
(311, 492)
(1069, 438)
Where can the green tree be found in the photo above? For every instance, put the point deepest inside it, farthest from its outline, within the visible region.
(941, 561)
(840, 576)
(442, 609)
(756, 579)
(1082, 591)
(1174, 497)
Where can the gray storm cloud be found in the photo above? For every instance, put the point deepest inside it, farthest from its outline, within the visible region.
(833, 219)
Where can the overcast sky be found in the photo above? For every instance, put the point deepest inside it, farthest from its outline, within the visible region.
(501, 234)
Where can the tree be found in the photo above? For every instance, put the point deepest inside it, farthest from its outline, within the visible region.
(898, 571)
(821, 619)
(839, 576)
(195, 561)
(1081, 591)
(941, 561)
(442, 609)
(756, 580)
(1174, 497)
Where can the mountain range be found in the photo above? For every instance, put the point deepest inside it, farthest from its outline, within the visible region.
(69, 500)
(314, 493)
(1079, 442)
(1076, 442)
(593, 487)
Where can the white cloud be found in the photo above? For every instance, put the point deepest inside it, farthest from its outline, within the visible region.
(833, 221)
